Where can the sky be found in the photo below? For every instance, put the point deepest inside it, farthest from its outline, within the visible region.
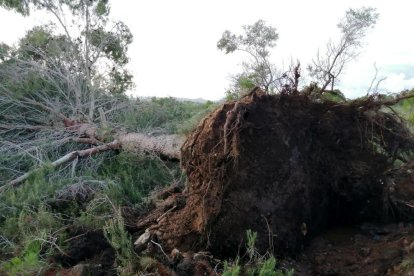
(174, 52)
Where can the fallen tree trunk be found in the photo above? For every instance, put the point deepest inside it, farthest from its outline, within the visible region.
(167, 146)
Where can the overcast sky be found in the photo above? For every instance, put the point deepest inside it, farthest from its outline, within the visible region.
(174, 50)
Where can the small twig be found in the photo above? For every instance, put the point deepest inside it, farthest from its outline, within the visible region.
(270, 234)
(74, 163)
(53, 244)
(204, 197)
(409, 204)
(160, 247)
(371, 89)
(166, 213)
(102, 116)
(5, 241)
(91, 141)
(75, 237)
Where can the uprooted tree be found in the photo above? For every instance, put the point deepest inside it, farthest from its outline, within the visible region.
(286, 166)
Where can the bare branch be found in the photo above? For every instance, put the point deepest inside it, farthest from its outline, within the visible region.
(374, 89)
(67, 158)
(353, 27)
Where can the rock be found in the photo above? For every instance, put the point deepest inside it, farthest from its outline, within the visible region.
(142, 240)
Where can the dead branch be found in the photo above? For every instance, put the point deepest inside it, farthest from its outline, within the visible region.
(376, 101)
(22, 127)
(373, 89)
(65, 159)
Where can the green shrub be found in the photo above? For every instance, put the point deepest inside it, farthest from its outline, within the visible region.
(256, 265)
(231, 269)
(135, 176)
(28, 263)
(23, 210)
(97, 212)
(120, 240)
(268, 267)
(251, 242)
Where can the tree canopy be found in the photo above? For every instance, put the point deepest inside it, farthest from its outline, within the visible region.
(256, 42)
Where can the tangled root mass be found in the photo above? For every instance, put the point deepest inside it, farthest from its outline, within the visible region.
(285, 166)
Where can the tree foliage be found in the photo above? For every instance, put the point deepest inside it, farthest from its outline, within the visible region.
(21, 6)
(91, 49)
(256, 42)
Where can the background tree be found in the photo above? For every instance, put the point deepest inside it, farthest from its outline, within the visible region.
(256, 42)
(91, 48)
(327, 67)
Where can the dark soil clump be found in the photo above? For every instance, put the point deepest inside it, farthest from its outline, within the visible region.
(90, 247)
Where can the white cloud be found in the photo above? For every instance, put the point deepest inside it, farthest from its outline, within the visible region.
(398, 82)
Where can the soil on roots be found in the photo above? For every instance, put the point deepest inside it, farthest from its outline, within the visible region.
(285, 166)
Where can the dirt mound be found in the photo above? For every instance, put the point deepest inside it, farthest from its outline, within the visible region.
(285, 166)
(366, 249)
